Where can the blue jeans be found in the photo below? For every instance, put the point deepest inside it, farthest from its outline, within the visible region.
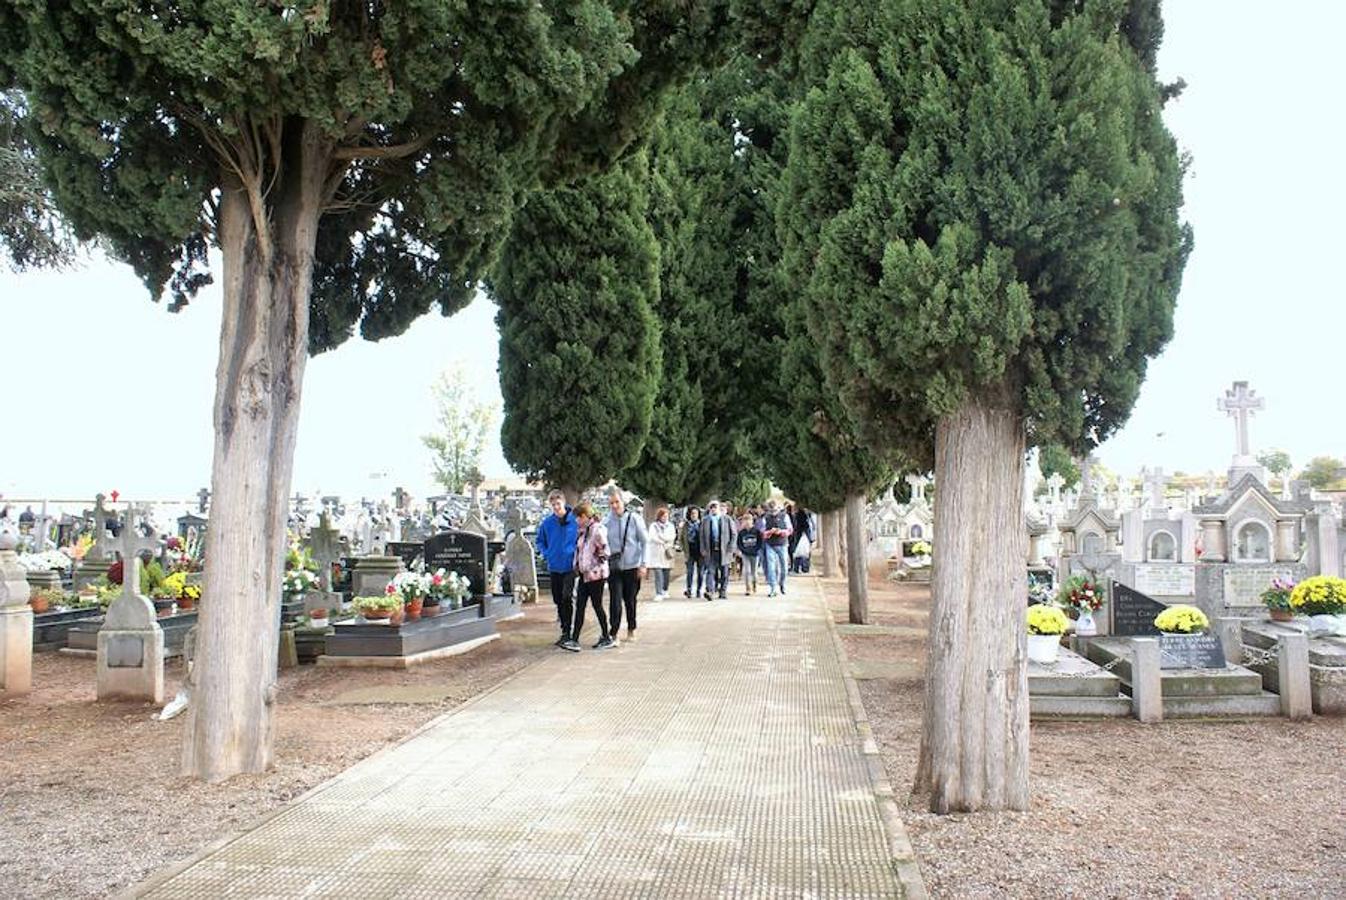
(749, 571)
(777, 564)
(661, 581)
(695, 566)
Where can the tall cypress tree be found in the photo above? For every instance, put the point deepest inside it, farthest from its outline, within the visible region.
(983, 202)
(579, 341)
(355, 164)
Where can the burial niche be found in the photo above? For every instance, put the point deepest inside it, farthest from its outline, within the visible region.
(1252, 543)
(1163, 548)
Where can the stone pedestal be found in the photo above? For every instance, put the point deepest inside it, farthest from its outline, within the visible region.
(88, 571)
(131, 651)
(16, 622)
(45, 580)
(328, 600)
(372, 573)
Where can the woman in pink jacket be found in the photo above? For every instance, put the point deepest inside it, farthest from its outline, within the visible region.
(591, 562)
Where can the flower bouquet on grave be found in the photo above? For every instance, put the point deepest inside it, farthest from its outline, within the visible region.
(1277, 599)
(164, 596)
(376, 609)
(46, 561)
(1182, 619)
(299, 581)
(1045, 626)
(1323, 599)
(919, 556)
(1081, 597)
(411, 587)
(449, 588)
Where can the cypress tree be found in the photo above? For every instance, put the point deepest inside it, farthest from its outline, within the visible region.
(983, 204)
(356, 164)
(579, 342)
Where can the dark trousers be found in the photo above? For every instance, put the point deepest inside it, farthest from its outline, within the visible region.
(623, 586)
(563, 595)
(590, 592)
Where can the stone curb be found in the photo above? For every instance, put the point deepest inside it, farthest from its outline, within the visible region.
(172, 871)
(904, 859)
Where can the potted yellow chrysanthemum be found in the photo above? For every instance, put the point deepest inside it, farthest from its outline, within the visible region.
(1323, 599)
(1182, 619)
(1045, 624)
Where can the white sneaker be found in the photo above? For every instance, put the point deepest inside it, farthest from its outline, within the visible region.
(771, 593)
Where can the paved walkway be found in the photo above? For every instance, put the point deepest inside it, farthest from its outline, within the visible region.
(716, 757)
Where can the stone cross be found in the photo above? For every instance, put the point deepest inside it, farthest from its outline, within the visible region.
(324, 542)
(1087, 474)
(1055, 482)
(918, 483)
(132, 542)
(1155, 483)
(400, 498)
(202, 500)
(1240, 403)
(514, 519)
(474, 481)
(100, 532)
(299, 503)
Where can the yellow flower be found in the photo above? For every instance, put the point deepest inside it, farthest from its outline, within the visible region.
(1181, 619)
(1319, 595)
(1044, 619)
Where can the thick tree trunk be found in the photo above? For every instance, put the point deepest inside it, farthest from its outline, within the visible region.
(268, 266)
(843, 545)
(974, 744)
(831, 539)
(857, 572)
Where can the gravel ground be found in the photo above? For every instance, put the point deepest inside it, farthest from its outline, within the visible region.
(90, 798)
(1252, 808)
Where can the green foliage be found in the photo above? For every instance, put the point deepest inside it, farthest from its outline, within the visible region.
(32, 235)
(1276, 461)
(1053, 459)
(463, 423)
(1324, 471)
(426, 124)
(982, 201)
(710, 219)
(579, 342)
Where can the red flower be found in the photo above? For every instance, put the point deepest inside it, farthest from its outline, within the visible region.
(114, 573)
(390, 590)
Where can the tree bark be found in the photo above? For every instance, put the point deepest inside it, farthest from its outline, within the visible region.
(974, 743)
(857, 571)
(843, 545)
(831, 540)
(268, 267)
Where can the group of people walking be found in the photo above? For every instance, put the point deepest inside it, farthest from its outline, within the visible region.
(584, 553)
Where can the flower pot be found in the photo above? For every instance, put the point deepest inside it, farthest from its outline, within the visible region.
(376, 614)
(396, 618)
(1044, 648)
(1085, 626)
(186, 603)
(413, 608)
(39, 604)
(163, 608)
(1281, 615)
(317, 623)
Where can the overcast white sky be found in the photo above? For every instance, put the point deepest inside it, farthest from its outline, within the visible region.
(109, 391)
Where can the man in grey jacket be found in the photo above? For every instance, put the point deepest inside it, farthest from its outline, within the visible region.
(626, 562)
(717, 547)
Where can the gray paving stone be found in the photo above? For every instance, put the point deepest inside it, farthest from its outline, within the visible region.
(717, 757)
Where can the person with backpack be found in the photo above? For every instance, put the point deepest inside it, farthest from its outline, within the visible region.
(591, 563)
(749, 549)
(777, 535)
(690, 541)
(556, 542)
(627, 540)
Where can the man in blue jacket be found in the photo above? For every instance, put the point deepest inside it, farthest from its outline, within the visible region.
(556, 542)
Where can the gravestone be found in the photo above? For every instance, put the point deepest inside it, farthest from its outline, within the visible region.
(98, 560)
(520, 558)
(1132, 612)
(463, 552)
(371, 575)
(409, 552)
(1191, 651)
(131, 643)
(324, 545)
(16, 621)
(1239, 402)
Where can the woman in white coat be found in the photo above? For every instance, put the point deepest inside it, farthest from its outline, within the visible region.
(659, 551)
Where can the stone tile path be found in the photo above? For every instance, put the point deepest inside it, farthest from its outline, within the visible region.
(718, 756)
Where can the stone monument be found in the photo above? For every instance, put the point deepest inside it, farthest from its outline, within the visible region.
(1240, 403)
(16, 621)
(520, 558)
(97, 561)
(131, 643)
(324, 543)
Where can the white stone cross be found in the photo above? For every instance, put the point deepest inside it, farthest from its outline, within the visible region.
(1055, 482)
(42, 529)
(1240, 403)
(100, 534)
(1156, 483)
(918, 483)
(324, 542)
(131, 544)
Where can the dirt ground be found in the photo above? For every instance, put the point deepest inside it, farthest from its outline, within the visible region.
(1251, 808)
(90, 798)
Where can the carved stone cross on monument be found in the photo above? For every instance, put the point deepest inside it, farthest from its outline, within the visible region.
(324, 542)
(202, 500)
(1240, 403)
(400, 498)
(1156, 483)
(100, 532)
(1087, 474)
(1055, 482)
(918, 484)
(132, 542)
(475, 481)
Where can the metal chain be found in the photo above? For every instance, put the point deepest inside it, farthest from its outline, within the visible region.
(1103, 668)
(1258, 656)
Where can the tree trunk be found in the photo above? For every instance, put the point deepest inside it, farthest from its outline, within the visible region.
(831, 544)
(267, 243)
(843, 545)
(857, 571)
(974, 742)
